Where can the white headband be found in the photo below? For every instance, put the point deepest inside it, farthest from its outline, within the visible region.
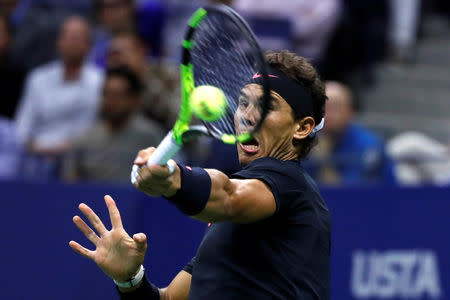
(317, 128)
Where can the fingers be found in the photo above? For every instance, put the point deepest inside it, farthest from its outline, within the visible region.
(160, 172)
(114, 213)
(81, 250)
(143, 155)
(154, 180)
(141, 241)
(86, 230)
(93, 219)
(155, 173)
(140, 238)
(152, 186)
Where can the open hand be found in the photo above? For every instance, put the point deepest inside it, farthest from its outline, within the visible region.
(116, 253)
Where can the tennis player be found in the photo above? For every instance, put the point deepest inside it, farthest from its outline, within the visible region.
(269, 236)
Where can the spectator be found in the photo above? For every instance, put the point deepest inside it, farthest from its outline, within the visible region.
(60, 99)
(404, 23)
(107, 150)
(420, 159)
(36, 24)
(358, 43)
(11, 77)
(162, 80)
(10, 151)
(313, 21)
(111, 16)
(179, 12)
(347, 152)
(151, 16)
(114, 16)
(178, 15)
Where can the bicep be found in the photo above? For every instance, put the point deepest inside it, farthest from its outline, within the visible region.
(179, 288)
(237, 200)
(252, 200)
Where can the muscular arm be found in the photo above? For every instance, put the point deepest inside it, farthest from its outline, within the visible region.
(237, 200)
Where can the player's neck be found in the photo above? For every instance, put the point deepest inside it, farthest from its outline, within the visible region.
(287, 154)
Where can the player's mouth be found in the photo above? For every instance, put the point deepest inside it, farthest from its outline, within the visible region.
(250, 147)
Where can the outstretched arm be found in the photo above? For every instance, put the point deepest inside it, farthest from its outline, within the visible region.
(118, 255)
(237, 200)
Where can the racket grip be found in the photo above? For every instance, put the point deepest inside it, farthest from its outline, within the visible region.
(165, 151)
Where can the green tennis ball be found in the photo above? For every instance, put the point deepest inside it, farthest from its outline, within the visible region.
(208, 102)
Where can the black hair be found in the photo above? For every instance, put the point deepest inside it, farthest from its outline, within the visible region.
(135, 85)
(301, 71)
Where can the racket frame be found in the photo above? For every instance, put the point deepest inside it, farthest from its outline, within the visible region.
(181, 131)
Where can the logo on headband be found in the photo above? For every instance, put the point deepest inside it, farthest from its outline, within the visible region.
(257, 75)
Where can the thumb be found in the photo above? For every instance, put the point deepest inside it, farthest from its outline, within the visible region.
(141, 241)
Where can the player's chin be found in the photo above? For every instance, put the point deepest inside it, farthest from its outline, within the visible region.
(248, 153)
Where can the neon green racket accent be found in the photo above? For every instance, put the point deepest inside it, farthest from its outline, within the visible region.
(232, 139)
(188, 44)
(228, 139)
(197, 17)
(244, 137)
(187, 83)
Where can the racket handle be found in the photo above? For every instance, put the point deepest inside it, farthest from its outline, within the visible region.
(165, 151)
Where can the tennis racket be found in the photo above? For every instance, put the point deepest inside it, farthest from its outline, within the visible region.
(219, 49)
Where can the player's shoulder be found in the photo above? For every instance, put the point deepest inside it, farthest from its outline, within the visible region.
(270, 163)
(289, 172)
(295, 192)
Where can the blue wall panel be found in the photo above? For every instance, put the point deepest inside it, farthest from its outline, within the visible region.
(388, 243)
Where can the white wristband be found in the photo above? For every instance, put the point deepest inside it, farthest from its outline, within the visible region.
(133, 281)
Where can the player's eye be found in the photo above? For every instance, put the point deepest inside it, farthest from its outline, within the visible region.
(243, 102)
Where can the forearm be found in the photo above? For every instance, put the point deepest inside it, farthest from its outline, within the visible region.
(210, 196)
(207, 195)
(202, 194)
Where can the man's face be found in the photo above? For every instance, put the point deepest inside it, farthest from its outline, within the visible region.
(126, 50)
(74, 40)
(115, 14)
(338, 109)
(118, 102)
(275, 137)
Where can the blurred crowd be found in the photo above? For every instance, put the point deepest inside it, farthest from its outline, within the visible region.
(85, 84)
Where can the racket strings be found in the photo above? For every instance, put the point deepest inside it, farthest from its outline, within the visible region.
(222, 57)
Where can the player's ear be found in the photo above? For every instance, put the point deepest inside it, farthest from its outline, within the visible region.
(303, 128)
